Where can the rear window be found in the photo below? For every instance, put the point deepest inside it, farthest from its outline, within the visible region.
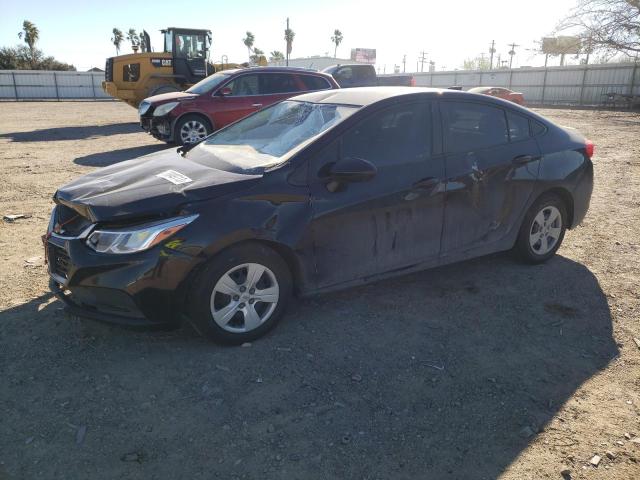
(472, 126)
(274, 83)
(312, 82)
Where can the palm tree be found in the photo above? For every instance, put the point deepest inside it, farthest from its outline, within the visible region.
(289, 36)
(337, 39)
(276, 56)
(31, 35)
(257, 56)
(117, 39)
(248, 42)
(132, 36)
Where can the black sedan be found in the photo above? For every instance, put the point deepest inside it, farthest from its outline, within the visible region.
(320, 192)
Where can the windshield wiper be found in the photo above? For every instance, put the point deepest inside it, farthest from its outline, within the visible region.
(184, 149)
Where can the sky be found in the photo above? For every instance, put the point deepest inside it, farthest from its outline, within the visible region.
(79, 32)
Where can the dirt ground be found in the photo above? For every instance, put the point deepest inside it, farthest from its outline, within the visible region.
(481, 370)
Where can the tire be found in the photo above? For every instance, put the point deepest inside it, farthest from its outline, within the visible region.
(192, 127)
(542, 229)
(224, 299)
(160, 89)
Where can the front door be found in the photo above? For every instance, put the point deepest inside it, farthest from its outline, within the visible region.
(491, 166)
(391, 221)
(242, 97)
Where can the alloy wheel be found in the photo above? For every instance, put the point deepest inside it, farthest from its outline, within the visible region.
(192, 131)
(244, 297)
(545, 230)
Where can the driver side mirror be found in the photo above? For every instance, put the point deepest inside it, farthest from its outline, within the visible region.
(225, 92)
(349, 170)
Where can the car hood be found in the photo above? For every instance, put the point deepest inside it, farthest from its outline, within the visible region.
(155, 184)
(170, 97)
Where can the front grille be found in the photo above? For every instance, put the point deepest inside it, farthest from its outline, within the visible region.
(108, 70)
(59, 261)
(68, 222)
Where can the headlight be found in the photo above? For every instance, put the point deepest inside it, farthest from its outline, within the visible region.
(164, 109)
(136, 239)
(142, 109)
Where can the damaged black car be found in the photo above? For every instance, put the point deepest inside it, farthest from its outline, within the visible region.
(319, 192)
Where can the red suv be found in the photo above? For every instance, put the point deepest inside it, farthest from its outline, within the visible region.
(223, 98)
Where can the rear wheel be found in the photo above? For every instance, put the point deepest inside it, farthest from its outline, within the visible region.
(192, 128)
(241, 295)
(542, 230)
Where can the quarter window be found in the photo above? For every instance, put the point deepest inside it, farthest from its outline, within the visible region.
(518, 126)
(471, 126)
(312, 82)
(398, 134)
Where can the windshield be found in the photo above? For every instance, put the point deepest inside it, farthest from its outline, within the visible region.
(208, 83)
(262, 138)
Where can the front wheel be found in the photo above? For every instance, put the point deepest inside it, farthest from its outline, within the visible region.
(191, 129)
(241, 294)
(542, 230)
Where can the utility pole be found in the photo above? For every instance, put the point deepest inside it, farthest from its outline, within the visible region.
(422, 59)
(512, 52)
(404, 63)
(492, 50)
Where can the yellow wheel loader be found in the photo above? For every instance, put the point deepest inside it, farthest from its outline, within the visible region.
(136, 76)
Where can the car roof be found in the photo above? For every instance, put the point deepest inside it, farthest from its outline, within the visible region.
(363, 96)
(272, 69)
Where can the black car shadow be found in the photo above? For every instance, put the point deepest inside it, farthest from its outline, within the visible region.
(448, 373)
(104, 159)
(72, 133)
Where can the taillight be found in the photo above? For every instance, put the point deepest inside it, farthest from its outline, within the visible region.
(589, 148)
(412, 82)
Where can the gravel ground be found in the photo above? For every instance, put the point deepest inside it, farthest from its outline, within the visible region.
(481, 370)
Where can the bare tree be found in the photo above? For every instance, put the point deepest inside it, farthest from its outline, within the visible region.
(612, 25)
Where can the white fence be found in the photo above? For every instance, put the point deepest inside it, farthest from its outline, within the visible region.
(49, 85)
(592, 85)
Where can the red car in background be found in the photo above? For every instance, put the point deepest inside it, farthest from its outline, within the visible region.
(223, 98)
(504, 93)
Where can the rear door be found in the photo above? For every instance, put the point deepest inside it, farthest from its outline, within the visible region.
(275, 87)
(491, 165)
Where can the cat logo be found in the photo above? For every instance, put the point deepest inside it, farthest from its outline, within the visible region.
(162, 62)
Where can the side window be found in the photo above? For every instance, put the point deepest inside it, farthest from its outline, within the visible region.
(274, 83)
(537, 128)
(472, 126)
(518, 126)
(244, 85)
(343, 73)
(398, 134)
(311, 82)
(131, 72)
(365, 72)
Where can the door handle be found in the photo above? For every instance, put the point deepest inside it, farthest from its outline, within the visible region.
(257, 105)
(522, 159)
(426, 183)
